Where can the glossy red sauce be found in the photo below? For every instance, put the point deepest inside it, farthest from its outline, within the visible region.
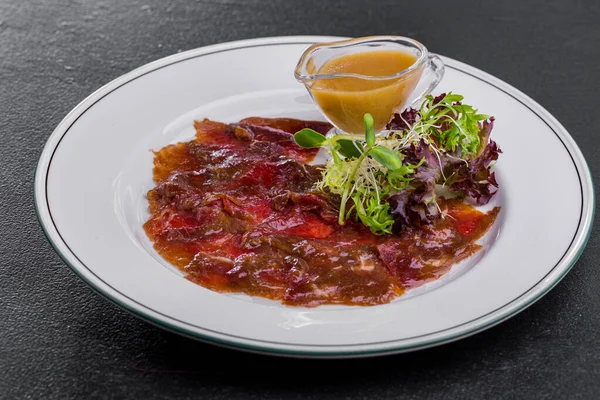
(236, 211)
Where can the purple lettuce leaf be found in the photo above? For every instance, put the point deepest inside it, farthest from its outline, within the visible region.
(439, 98)
(485, 130)
(404, 120)
(475, 179)
(417, 204)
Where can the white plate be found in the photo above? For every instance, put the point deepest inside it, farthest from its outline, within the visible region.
(96, 168)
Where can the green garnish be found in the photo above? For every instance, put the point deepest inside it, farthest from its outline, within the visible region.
(309, 138)
(353, 174)
(451, 123)
(368, 170)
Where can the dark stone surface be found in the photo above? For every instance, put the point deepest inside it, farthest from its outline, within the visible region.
(60, 340)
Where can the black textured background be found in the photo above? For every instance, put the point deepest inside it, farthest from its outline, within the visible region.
(60, 340)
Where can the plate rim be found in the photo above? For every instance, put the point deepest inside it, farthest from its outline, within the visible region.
(497, 316)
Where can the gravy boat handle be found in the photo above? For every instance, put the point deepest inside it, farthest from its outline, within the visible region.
(432, 75)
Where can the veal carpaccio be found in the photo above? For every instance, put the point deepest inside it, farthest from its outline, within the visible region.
(237, 211)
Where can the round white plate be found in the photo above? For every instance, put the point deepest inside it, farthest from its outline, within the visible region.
(96, 168)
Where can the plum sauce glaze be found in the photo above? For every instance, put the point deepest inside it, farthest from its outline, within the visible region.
(236, 211)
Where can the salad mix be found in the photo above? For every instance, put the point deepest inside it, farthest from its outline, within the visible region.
(389, 180)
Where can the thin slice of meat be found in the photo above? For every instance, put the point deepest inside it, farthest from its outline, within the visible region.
(288, 125)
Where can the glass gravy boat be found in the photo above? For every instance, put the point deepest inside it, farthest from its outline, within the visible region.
(344, 97)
